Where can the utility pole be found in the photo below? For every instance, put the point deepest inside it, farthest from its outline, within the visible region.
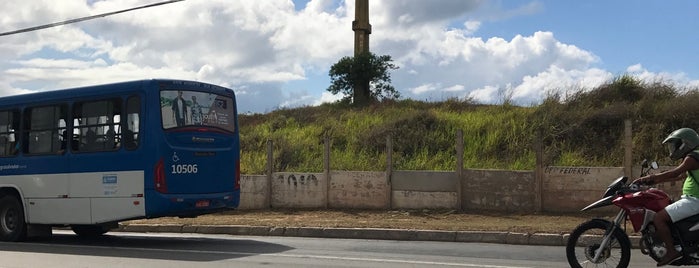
(362, 30)
(361, 27)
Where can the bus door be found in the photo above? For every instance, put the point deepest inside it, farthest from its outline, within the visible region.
(201, 145)
(44, 161)
(106, 169)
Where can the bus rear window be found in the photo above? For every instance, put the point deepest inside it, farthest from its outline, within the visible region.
(181, 108)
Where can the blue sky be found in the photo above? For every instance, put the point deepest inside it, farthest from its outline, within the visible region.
(277, 53)
(661, 35)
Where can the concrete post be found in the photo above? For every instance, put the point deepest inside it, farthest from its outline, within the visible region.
(628, 148)
(459, 168)
(539, 173)
(362, 30)
(389, 170)
(361, 27)
(326, 170)
(270, 171)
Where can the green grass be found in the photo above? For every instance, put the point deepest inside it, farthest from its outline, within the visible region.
(586, 129)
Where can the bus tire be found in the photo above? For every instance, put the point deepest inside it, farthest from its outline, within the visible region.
(12, 225)
(89, 230)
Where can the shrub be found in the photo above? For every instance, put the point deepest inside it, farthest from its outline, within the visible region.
(585, 128)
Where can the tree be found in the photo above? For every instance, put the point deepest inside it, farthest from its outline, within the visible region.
(363, 78)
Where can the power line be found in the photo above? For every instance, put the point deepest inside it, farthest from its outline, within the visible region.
(86, 18)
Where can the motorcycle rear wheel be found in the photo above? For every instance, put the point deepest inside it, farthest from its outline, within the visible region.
(587, 238)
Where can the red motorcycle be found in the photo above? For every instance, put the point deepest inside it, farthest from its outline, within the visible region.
(604, 243)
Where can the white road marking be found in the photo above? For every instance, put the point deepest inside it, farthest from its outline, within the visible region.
(284, 255)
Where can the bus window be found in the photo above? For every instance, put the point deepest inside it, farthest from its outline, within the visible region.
(9, 124)
(181, 108)
(44, 127)
(130, 135)
(96, 125)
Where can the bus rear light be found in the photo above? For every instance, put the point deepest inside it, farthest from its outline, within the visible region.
(237, 175)
(159, 177)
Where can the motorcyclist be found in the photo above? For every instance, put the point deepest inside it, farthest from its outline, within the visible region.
(682, 144)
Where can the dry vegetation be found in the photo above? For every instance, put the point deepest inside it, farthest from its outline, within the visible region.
(584, 128)
(414, 219)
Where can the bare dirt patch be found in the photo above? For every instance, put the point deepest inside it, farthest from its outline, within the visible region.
(413, 219)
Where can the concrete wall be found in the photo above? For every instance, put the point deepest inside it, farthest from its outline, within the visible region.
(299, 190)
(254, 191)
(424, 200)
(497, 190)
(366, 190)
(563, 190)
(567, 189)
(546, 189)
(424, 189)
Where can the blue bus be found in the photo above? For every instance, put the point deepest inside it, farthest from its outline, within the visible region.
(90, 157)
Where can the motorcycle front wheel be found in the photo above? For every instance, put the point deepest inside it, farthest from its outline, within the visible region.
(587, 238)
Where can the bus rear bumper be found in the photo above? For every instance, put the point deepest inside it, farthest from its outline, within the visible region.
(189, 205)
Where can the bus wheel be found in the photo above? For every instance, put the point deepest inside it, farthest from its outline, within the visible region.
(89, 230)
(12, 225)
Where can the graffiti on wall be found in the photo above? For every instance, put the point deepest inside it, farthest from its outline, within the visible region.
(298, 179)
(568, 170)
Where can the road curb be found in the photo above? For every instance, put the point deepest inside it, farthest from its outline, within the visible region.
(359, 233)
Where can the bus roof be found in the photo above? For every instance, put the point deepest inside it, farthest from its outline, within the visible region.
(107, 89)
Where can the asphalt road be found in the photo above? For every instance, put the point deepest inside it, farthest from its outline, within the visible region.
(198, 250)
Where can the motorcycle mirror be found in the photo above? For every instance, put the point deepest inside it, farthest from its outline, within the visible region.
(654, 165)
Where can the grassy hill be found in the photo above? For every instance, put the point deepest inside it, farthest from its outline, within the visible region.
(583, 129)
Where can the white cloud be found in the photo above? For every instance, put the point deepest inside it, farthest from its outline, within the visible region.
(678, 80)
(328, 97)
(221, 41)
(423, 89)
(426, 88)
(487, 94)
(257, 47)
(408, 13)
(533, 89)
(532, 65)
(471, 27)
(455, 88)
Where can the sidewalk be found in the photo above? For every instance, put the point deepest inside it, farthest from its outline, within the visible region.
(363, 233)
(422, 225)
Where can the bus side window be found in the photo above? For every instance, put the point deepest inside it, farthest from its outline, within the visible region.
(130, 134)
(43, 127)
(96, 125)
(9, 124)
